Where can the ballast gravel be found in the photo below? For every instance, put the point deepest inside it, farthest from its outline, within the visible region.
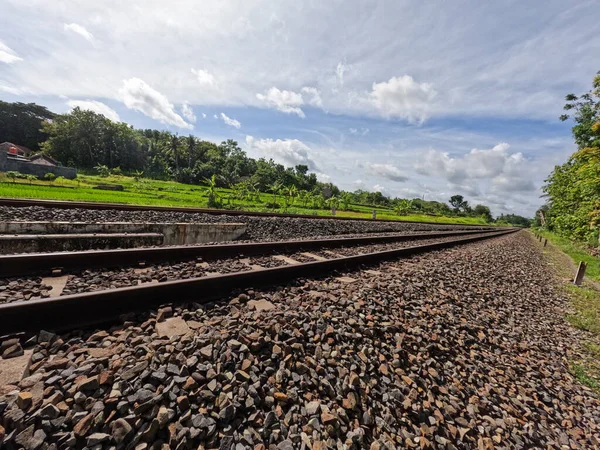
(465, 348)
(259, 228)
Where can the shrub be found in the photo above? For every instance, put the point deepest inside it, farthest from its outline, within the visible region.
(31, 178)
(116, 171)
(102, 170)
(12, 174)
(49, 177)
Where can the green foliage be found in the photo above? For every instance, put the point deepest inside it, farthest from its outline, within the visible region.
(102, 170)
(214, 200)
(21, 124)
(116, 171)
(573, 189)
(31, 178)
(13, 175)
(49, 177)
(513, 219)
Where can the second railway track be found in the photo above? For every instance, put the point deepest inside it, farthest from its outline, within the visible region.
(45, 263)
(88, 308)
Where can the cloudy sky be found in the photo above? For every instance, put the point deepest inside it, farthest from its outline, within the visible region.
(412, 98)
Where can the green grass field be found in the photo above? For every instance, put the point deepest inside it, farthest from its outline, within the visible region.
(168, 193)
(577, 252)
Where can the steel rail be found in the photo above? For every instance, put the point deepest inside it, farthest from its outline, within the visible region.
(22, 203)
(82, 310)
(44, 263)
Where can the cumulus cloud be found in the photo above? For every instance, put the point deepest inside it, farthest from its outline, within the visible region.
(204, 77)
(378, 188)
(315, 96)
(387, 171)
(289, 152)
(80, 30)
(8, 55)
(138, 95)
(231, 122)
(323, 177)
(97, 107)
(188, 112)
(404, 98)
(203, 116)
(285, 101)
(508, 172)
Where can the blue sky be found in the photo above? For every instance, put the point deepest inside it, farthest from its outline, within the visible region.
(424, 99)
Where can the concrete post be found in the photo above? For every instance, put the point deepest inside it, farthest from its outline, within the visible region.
(374, 216)
(580, 273)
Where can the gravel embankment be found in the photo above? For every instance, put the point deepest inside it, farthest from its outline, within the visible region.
(259, 228)
(30, 288)
(465, 348)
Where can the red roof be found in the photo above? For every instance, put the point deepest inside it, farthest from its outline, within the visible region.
(7, 145)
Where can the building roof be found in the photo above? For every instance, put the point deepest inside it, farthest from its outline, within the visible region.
(42, 156)
(6, 145)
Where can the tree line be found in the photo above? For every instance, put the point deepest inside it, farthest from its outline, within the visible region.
(91, 142)
(573, 189)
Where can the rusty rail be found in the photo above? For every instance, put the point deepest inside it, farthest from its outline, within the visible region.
(80, 310)
(45, 263)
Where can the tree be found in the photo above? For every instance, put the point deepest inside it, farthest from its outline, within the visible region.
(458, 203)
(573, 189)
(483, 211)
(21, 124)
(585, 112)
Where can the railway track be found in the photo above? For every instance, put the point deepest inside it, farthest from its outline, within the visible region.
(23, 203)
(89, 308)
(46, 263)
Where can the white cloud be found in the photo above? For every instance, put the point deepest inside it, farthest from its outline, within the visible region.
(404, 98)
(8, 55)
(289, 152)
(359, 184)
(80, 30)
(387, 171)
(97, 107)
(379, 188)
(315, 96)
(231, 122)
(285, 101)
(188, 112)
(138, 95)
(11, 90)
(215, 116)
(323, 177)
(508, 172)
(203, 116)
(204, 77)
